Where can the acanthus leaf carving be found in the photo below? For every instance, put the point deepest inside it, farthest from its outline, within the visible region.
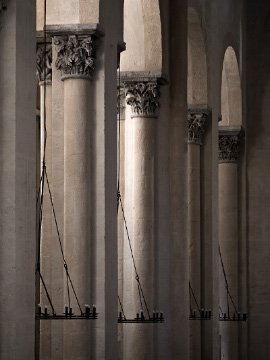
(75, 56)
(143, 97)
(196, 127)
(228, 148)
(44, 62)
(120, 98)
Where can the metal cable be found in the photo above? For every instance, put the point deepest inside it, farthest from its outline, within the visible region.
(133, 259)
(61, 247)
(41, 187)
(191, 292)
(122, 309)
(227, 285)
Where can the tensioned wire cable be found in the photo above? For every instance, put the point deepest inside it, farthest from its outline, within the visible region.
(191, 294)
(227, 287)
(40, 195)
(119, 201)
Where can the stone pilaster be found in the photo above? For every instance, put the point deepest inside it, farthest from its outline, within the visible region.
(121, 107)
(44, 74)
(18, 180)
(197, 124)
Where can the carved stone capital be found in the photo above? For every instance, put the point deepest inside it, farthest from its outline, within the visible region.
(197, 120)
(228, 148)
(2, 9)
(142, 97)
(196, 128)
(44, 62)
(121, 102)
(229, 143)
(75, 55)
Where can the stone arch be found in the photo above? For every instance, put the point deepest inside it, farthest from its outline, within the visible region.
(142, 34)
(68, 12)
(197, 67)
(231, 94)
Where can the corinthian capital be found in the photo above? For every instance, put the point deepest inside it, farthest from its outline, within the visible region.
(228, 143)
(75, 55)
(142, 97)
(44, 62)
(196, 128)
(228, 148)
(120, 101)
(197, 119)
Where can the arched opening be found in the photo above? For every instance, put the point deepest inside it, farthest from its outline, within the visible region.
(142, 34)
(231, 98)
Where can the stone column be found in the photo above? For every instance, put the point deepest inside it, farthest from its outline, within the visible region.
(121, 101)
(197, 117)
(17, 180)
(76, 60)
(143, 99)
(44, 72)
(228, 234)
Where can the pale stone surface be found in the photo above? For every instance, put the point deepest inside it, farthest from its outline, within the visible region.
(231, 97)
(120, 219)
(77, 209)
(17, 181)
(240, 32)
(68, 12)
(143, 229)
(142, 31)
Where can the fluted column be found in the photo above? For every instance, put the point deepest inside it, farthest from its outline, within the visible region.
(143, 99)
(197, 118)
(76, 60)
(228, 234)
(44, 72)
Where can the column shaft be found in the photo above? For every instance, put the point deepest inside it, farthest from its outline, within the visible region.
(46, 228)
(143, 98)
(143, 228)
(228, 240)
(17, 180)
(194, 229)
(77, 200)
